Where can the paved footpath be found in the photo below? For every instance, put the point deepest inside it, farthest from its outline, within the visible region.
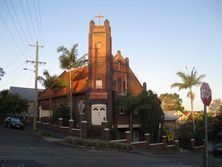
(21, 149)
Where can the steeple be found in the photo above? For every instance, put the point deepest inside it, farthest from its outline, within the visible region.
(100, 57)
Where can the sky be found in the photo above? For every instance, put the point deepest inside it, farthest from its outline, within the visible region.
(159, 37)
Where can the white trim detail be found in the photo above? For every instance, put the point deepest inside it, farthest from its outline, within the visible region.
(127, 126)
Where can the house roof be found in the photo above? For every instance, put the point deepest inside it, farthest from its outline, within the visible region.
(26, 93)
(172, 115)
(79, 83)
(119, 58)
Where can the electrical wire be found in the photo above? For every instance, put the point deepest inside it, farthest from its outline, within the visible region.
(28, 28)
(29, 81)
(19, 23)
(10, 74)
(36, 18)
(30, 16)
(13, 21)
(40, 19)
(13, 38)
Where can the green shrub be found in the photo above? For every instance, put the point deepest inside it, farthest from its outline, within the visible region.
(100, 144)
(61, 112)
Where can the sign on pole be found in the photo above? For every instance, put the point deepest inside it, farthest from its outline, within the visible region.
(206, 97)
(205, 93)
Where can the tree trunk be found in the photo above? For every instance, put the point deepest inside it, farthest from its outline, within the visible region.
(70, 93)
(131, 124)
(193, 122)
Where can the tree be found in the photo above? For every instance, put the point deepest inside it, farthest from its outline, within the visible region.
(151, 113)
(12, 103)
(130, 104)
(51, 81)
(69, 61)
(171, 102)
(61, 112)
(215, 129)
(189, 80)
(215, 106)
(149, 109)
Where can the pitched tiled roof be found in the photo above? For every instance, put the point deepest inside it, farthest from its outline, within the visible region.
(119, 58)
(79, 83)
(172, 115)
(26, 93)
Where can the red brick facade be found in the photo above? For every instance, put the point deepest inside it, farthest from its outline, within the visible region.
(99, 84)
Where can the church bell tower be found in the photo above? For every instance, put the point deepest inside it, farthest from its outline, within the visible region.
(100, 72)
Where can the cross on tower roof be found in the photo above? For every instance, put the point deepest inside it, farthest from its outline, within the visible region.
(99, 17)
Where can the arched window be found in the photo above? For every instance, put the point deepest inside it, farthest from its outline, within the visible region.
(99, 83)
(119, 66)
(119, 86)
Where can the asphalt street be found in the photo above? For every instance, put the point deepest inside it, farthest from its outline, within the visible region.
(20, 148)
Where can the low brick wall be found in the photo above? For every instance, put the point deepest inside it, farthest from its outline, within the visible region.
(157, 146)
(118, 141)
(62, 131)
(142, 145)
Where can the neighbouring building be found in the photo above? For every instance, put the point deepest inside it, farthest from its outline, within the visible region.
(28, 94)
(100, 84)
(173, 120)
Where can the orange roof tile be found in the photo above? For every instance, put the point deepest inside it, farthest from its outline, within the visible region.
(79, 83)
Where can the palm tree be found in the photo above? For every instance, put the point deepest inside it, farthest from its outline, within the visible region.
(189, 80)
(51, 81)
(69, 61)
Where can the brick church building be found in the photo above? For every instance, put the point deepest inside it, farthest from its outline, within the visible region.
(99, 84)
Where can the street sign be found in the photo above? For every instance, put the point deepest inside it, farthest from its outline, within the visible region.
(205, 93)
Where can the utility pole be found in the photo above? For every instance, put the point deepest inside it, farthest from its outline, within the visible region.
(36, 65)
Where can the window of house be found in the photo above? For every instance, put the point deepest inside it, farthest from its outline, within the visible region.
(121, 109)
(119, 66)
(99, 84)
(98, 46)
(124, 88)
(119, 86)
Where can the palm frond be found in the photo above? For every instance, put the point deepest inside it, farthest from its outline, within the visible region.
(65, 62)
(63, 49)
(179, 85)
(46, 73)
(74, 52)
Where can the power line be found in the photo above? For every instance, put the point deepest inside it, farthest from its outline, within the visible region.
(30, 79)
(36, 18)
(11, 74)
(17, 18)
(13, 21)
(13, 38)
(11, 61)
(28, 28)
(30, 16)
(40, 18)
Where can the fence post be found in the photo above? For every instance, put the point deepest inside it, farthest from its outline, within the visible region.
(128, 137)
(60, 120)
(71, 123)
(106, 134)
(164, 140)
(84, 128)
(177, 144)
(147, 139)
(192, 143)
